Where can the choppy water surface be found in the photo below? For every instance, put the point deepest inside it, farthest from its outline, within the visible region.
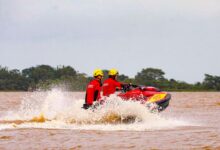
(55, 120)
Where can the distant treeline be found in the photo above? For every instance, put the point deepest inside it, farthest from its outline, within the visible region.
(45, 77)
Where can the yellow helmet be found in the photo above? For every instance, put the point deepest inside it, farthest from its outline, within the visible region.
(98, 72)
(113, 72)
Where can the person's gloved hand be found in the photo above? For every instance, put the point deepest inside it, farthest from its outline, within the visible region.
(118, 88)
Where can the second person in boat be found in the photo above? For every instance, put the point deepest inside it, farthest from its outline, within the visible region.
(111, 85)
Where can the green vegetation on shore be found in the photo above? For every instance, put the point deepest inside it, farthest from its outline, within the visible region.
(45, 76)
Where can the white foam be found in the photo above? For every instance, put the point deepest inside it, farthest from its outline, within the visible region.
(64, 112)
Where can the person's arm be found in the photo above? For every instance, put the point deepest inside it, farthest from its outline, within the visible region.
(90, 94)
(118, 85)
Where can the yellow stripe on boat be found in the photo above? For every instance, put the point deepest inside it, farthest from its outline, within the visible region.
(157, 97)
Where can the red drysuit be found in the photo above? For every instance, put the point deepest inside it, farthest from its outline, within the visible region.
(110, 85)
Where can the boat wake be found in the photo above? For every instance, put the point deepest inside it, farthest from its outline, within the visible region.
(56, 109)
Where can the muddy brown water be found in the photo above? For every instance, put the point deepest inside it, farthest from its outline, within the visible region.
(200, 109)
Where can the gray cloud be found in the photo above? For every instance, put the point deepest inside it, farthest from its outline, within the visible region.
(181, 37)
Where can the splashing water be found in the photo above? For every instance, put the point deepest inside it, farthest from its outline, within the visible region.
(56, 109)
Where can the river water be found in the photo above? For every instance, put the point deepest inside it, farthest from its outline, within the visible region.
(55, 120)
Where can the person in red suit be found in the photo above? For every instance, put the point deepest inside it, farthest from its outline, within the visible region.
(111, 84)
(93, 89)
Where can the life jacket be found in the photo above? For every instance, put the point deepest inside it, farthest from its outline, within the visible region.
(93, 92)
(110, 85)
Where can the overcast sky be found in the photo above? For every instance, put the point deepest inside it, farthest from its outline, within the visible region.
(181, 37)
